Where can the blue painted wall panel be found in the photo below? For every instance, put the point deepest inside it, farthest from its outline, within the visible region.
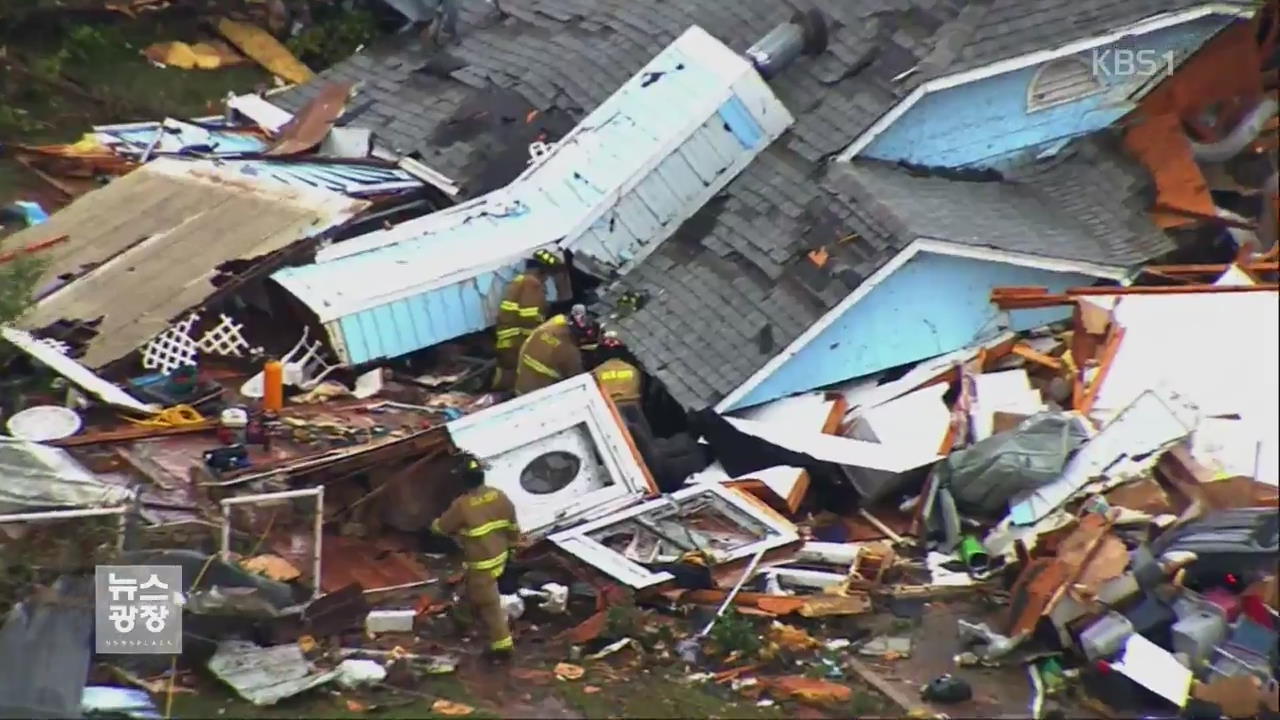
(933, 304)
(427, 319)
(986, 123)
(738, 119)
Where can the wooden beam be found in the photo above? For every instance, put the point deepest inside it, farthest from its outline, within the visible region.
(1177, 279)
(1025, 352)
(131, 434)
(1213, 269)
(1104, 366)
(1171, 289)
(31, 249)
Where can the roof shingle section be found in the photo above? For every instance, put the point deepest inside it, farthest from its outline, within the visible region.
(1016, 27)
(1089, 204)
(736, 284)
(472, 106)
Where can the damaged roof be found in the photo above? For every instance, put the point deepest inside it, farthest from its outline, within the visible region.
(465, 111)
(617, 186)
(1088, 204)
(152, 242)
(997, 29)
(735, 285)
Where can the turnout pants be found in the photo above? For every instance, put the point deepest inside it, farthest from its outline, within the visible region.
(482, 596)
(504, 375)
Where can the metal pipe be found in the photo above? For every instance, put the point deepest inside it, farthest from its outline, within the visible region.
(282, 495)
(401, 586)
(63, 514)
(751, 568)
(804, 34)
(315, 592)
(1269, 222)
(1240, 136)
(776, 50)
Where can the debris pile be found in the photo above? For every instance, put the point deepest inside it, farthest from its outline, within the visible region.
(270, 350)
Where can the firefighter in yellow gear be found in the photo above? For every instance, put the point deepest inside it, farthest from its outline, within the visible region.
(483, 520)
(553, 353)
(523, 308)
(619, 379)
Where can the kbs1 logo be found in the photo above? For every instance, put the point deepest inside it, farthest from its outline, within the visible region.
(1120, 63)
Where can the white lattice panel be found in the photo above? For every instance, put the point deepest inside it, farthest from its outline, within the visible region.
(226, 338)
(173, 348)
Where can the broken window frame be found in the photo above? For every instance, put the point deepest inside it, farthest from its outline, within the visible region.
(316, 492)
(529, 419)
(578, 542)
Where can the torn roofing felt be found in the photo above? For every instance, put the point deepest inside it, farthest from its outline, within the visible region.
(145, 248)
(735, 285)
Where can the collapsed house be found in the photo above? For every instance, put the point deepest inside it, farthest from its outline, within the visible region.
(913, 366)
(783, 254)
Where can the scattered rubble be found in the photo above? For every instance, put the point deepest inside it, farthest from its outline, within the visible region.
(1072, 509)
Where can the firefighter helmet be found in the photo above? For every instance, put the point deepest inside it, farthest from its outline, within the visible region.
(546, 259)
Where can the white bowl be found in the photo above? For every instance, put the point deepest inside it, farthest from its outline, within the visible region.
(44, 422)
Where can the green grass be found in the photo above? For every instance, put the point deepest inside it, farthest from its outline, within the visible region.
(213, 699)
(648, 694)
(109, 61)
(657, 694)
(106, 61)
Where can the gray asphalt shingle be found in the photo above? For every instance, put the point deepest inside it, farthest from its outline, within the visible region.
(1089, 203)
(741, 264)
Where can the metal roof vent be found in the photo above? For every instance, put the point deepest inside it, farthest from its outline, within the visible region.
(804, 34)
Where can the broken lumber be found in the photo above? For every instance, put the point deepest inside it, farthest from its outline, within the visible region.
(142, 433)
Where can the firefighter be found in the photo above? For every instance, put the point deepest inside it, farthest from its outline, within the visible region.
(619, 379)
(553, 352)
(523, 308)
(484, 522)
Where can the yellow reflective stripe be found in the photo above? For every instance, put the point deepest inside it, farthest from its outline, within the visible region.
(505, 643)
(482, 530)
(532, 312)
(617, 375)
(508, 332)
(508, 305)
(492, 563)
(559, 320)
(539, 367)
